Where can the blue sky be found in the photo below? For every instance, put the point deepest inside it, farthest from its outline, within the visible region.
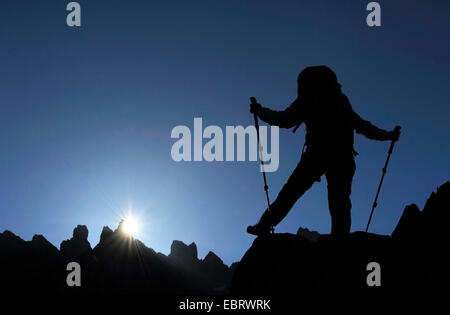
(86, 113)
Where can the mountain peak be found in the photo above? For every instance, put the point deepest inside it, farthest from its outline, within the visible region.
(78, 244)
(212, 258)
(180, 250)
(80, 233)
(39, 240)
(106, 232)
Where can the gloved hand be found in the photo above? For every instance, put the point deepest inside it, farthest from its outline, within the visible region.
(394, 135)
(254, 108)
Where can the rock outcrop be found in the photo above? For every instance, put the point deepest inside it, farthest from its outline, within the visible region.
(309, 235)
(78, 244)
(28, 267)
(210, 270)
(414, 260)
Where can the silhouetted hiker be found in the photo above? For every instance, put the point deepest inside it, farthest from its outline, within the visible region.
(330, 122)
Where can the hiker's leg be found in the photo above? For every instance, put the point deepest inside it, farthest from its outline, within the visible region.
(339, 180)
(301, 179)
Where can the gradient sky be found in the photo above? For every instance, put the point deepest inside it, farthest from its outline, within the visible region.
(86, 113)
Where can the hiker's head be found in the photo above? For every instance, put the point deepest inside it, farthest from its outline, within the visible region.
(319, 79)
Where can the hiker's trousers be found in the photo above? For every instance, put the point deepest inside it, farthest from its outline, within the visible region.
(339, 173)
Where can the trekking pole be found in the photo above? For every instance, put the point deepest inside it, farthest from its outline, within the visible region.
(260, 148)
(391, 148)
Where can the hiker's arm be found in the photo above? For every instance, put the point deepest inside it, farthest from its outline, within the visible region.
(366, 128)
(287, 118)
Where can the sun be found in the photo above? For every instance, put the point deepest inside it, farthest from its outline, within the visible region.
(130, 226)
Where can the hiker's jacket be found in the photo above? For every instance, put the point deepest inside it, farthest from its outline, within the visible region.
(330, 122)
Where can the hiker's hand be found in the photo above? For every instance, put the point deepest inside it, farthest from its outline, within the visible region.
(254, 108)
(394, 135)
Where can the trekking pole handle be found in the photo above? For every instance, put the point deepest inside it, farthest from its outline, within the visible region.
(396, 129)
(254, 102)
(255, 116)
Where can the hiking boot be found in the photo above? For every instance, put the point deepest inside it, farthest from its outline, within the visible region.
(258, 229)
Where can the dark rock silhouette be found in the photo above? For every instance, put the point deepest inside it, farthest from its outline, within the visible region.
(309, 235)
(119, 264)
(106, 232)
(215, 270)
(185, 256)
(28, 267)
(40, 243)
(78, 244)
(210, 270)
(408, 224)
(414, 260)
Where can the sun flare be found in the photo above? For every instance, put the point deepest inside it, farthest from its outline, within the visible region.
(130, 226)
